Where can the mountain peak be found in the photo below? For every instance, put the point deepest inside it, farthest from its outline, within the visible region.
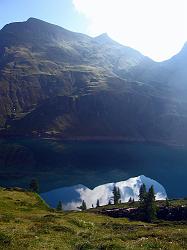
(38, 31)
(31, 19)
(103, 35)
(36, 21)
(103, 38)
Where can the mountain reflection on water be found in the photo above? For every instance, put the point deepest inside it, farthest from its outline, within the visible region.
(72, 197)
(57, 164)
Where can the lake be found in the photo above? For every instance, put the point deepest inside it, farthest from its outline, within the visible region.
(57, 163)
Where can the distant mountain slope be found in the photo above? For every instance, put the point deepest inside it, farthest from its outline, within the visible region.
(57, 82)
(170, 73)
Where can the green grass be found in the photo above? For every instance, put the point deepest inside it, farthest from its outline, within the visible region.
(26, 222)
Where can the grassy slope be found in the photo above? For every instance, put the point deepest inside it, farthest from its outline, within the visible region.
(27, 223)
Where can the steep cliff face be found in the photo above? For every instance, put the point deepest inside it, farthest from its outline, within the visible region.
(54, 81)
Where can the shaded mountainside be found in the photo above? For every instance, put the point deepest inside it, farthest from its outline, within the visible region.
(57, 82)
(127, 115)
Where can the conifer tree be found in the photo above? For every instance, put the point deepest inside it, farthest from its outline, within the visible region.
(97, 203)
(83, 206)
(150, 205)
(142, 192)
(59, 206)
(151, 193)
(34, 186)
(130, 200)
(147, 204)
(117, 195)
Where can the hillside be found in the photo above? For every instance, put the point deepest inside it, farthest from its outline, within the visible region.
(54, 82)
(27, 223)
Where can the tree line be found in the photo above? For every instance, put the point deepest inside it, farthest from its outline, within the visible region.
(147, 204)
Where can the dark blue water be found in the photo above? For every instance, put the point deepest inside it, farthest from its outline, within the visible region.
(57, 164)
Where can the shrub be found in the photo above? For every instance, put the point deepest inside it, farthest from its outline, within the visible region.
(5, 239)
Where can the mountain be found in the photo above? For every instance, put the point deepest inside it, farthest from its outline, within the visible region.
(54, 82)
(171, 73)
(128, 188)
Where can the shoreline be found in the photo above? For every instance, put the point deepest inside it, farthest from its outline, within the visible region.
(94, 139)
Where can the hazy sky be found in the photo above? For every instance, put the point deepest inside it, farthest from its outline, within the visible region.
(157, 28)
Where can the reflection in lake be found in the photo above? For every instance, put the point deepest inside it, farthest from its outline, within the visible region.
(72, 197)
(58, 164)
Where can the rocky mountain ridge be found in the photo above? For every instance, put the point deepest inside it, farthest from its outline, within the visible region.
(55, 82)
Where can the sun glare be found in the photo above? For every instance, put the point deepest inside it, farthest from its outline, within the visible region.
(157, 28)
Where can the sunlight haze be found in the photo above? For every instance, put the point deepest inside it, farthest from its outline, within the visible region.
(156, 28)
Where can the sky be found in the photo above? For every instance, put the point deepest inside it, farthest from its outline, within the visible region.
(156, 28)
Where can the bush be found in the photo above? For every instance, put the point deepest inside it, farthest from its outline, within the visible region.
(5, 239)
